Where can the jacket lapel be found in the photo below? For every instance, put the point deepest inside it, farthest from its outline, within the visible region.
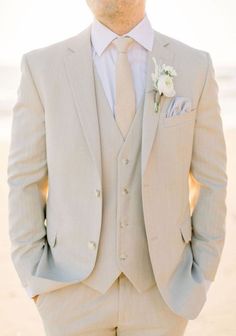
(79, 67)
(163, 54)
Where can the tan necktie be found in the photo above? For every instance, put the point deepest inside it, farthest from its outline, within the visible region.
(124, 88)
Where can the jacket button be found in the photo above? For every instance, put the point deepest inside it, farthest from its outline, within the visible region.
(92, 245)
(125, 161)
(125, 191)
(98, 193)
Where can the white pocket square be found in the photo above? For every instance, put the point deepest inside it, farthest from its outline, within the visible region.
(179, 105)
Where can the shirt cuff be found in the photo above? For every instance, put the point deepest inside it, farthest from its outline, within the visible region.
(29, 292)
(207, 284)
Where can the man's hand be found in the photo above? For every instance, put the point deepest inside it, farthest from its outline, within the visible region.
(35, 298)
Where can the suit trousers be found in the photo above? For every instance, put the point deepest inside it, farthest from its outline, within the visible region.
(80, 310)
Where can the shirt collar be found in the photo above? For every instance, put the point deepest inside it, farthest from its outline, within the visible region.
(102, 36)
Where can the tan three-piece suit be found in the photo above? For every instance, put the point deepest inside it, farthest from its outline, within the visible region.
(151, 206)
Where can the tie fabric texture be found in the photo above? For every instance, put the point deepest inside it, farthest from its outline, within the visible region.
(124, 87)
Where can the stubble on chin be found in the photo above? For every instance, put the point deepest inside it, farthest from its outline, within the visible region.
(111, 9)
(118, 12)
(104, 7)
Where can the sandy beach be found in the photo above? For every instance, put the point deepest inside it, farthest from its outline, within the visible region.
(19, 316)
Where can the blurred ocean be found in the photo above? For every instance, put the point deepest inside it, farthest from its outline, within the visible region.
(10, 78)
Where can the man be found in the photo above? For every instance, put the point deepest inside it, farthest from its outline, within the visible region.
(117, 187)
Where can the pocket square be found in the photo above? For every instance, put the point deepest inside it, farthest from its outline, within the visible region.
(179, 105)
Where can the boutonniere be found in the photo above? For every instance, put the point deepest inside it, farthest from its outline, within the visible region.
(163, 84)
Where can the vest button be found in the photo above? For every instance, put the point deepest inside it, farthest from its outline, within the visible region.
(123, 224)
(125, 161)
(125, 191)
(123, 256)
(92, 245)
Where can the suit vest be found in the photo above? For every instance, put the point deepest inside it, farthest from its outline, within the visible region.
(123, 243)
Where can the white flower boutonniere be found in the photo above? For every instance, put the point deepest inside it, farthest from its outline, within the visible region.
(163, 82)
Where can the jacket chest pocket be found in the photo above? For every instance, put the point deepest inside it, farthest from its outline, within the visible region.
(180, 119)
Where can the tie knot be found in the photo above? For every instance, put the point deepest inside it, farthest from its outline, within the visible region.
(122, 43)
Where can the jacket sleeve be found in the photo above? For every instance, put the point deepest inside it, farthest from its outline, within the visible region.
(27, 177)
(209, 179)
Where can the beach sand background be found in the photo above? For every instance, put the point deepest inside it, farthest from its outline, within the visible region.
(18, 314)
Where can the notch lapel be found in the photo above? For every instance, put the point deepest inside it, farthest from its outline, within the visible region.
(163, 54)
(79, 68)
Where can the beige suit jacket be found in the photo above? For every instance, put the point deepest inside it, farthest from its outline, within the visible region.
(54, 172)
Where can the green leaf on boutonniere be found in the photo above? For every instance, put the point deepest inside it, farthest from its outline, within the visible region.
(157, 102)
(163, 82)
